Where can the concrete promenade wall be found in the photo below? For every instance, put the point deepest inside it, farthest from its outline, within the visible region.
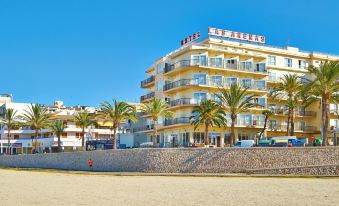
(212, 160)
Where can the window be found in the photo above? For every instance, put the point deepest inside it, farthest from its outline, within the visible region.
(272, 77)
(216, 98)
(273, 124)
(16, 136)
(199, 96)
(261, 67)
(261, 101)
(159, 85)
(230, 80)
(199, 78)
(302, 125)
(198, 137)
(200, 60)
(246, 66)
(288, 62)
(227, 137)
(215, 62)
(271, 60)
(243, 136)
(244, 119)
(247, 83)
(260, 84)
(160, 68)
(216, 81)
(302, 64)
(185, 139)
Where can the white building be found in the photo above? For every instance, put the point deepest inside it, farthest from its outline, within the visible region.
(22, 138)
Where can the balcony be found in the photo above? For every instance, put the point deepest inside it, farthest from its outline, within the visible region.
(147, 96)
(247, 123)
(211, 83)
(179, 120)
(147, 82)
(297, 127)
(143, 128)
(182, 102)
(259, 68)
(284, 112)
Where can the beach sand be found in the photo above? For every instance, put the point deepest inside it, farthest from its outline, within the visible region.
(62, 188)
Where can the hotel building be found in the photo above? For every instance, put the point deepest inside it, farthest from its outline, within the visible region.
(197, 69)
(21, 138)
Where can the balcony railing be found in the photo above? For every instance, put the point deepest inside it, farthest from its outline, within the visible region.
(297, 127)
(147, 81)
(143, 128)
(147, 96)
(224, 64)
(182, 101)
(179, 120)
(210, 82)
(284, 111)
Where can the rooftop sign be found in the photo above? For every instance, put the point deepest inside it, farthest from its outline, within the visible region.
(236, 35)
(190, 38)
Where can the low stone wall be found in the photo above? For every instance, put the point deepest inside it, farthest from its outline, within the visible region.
(211, 160)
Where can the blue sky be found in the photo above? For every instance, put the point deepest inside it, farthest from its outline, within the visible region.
(85, 52)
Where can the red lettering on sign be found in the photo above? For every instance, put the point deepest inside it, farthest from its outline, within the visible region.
(250, 37)
(216, 31)
(223, 32)
(238, 34)
(244, 36)
(256, 38)
(262, 39)
(232, 34)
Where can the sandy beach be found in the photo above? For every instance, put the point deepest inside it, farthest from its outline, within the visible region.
(54, 188)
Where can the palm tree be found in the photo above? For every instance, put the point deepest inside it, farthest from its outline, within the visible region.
(156, 108)
(291, 86)
(37, 118)
(210, 114)
(10, 120)
(267, 113)
(116, 113)
(235, 99)
(84, 120)
(324, 85)
(58, 127)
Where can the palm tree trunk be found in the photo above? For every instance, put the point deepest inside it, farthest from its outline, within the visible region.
(114, 137)
(288, 122)
(83, 139)
(232, 139)
(292, 122)
(325, 115)
(9, 141)
(59, 143)
(155, 133)
(206, 135)
(263, 130)
(36, 138)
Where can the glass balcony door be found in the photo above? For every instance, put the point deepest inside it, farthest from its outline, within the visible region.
(230, 80)
(215, 62)
(247, 83)
(260, 84)
(246, 66)
(231, 63)
(200, 60)
(216, 81)
(200, 79)
(198, 97)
